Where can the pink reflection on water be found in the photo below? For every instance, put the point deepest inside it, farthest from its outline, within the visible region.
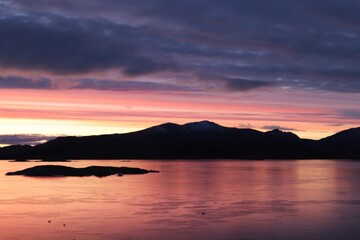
(186, 200)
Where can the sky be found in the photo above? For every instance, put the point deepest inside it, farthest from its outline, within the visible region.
(91, 67)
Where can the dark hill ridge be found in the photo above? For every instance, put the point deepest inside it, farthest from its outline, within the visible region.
(344, 144)
(198, 140)
(349, 135)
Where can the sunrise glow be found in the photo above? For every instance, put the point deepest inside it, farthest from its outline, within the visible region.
(117, 73)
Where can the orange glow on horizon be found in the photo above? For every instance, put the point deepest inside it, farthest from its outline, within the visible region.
(89, 112)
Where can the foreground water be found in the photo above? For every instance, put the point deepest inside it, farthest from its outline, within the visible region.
(309, 199)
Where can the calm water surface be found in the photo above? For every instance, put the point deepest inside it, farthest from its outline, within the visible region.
(309, 199)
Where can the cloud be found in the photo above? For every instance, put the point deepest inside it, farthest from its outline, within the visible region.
(350, 113)
(24, 139)
(346, 13)
(235, 84)
(309, 45)
(245, 125)
(21, 82)
(329, 85)
(98, 84)
(336, 124)
(65, 46)
(272, 127)
(13, 82)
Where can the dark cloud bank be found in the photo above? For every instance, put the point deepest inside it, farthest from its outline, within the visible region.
(13, 82)
(241, 45)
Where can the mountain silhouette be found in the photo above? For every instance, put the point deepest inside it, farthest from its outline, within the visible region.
(345, 144)
(197, 140)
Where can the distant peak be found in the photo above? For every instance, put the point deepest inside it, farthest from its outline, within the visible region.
(202, 125)
(165, 127)
(279, 133)
(168, 124)
(276, 130)
(204, 122)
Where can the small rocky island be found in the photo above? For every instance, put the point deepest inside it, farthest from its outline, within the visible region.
(65, 171)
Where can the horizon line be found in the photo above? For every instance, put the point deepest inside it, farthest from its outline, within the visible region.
(36, 139)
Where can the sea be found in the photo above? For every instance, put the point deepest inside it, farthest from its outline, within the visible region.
(209, 199)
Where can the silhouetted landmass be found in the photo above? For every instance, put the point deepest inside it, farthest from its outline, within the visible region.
(199, 140)
(62, 171)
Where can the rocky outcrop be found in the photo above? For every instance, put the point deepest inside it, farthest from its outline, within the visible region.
(65, 171)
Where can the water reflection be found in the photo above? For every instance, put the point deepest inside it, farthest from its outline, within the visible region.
(188, 200)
